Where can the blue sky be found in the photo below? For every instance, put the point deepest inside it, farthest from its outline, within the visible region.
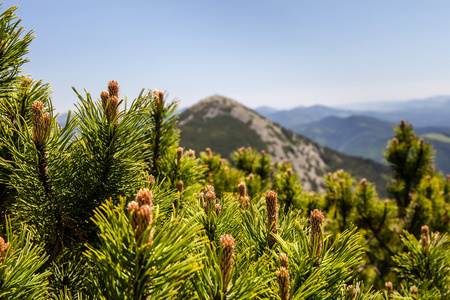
(278, 53)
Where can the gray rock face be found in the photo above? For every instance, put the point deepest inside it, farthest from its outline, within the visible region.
(304, 155)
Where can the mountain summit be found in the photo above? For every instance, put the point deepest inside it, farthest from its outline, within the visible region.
(225, 125)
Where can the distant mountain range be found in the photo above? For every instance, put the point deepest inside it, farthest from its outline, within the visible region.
(428, 112)
(365, 133)
(225, 125)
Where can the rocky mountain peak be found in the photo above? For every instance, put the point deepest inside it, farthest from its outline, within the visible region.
(225, 125)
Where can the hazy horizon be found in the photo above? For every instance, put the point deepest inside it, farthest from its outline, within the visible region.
(261, 53)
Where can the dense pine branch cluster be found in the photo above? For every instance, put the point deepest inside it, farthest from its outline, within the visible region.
(109, 206)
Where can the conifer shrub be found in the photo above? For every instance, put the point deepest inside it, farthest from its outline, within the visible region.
(109, 206)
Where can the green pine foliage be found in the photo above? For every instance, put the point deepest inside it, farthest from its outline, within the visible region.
(109, 206)
(20, 260)
(339, 197)
(288, 185)
(129, 268)
(424, 268)
(410, 159)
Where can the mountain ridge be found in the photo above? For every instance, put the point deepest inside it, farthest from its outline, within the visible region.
(225, 125)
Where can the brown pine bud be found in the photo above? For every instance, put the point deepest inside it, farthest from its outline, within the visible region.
(208, 152)
(46, 124)
(284, 262)
(316, 222)
(113, 109)
(151, 180)
(226, 258)
(350, 292)
(179, 154)
(243, 199)
(25, 84)
(180, 186)
(414, 290)
(272, 215)
(364, 182)
(145, 216)
(402, 124)
(218, 209)
(3, 248)
(161, 101)
(210, 202)
(209, 188)
(283, 283)
(133, 208)
(37, 110)
(141, 212)
(242, 189)
(289, 172)
(425, 237)
(144, 196)
(389, 287)
(113, 89)
(104, 96)
(191, 153)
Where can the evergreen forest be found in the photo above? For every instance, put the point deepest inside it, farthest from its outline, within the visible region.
(109, 206)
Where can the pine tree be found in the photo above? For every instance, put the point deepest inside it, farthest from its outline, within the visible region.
(425, 268)
(14, 43)
(410, 159)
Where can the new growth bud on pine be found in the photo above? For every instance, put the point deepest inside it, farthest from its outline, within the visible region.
(110, 101)
(3, 248)
(244, 200)
(141, 212)
(113, 89)
(272, 215)
(210, 200)
(208, 152)
(414, 290)
(316, 222)
(104, 97)
(113, 109)
(284, 262)
(41, 123)
(283, 283)
(133, 208)
(218, 209)
(179, 154)
(159, 100)
(180, 186)
(350, 292)
(226, 258)
(425, 237)
(191, 153)
(389, 286)
(144, 196)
